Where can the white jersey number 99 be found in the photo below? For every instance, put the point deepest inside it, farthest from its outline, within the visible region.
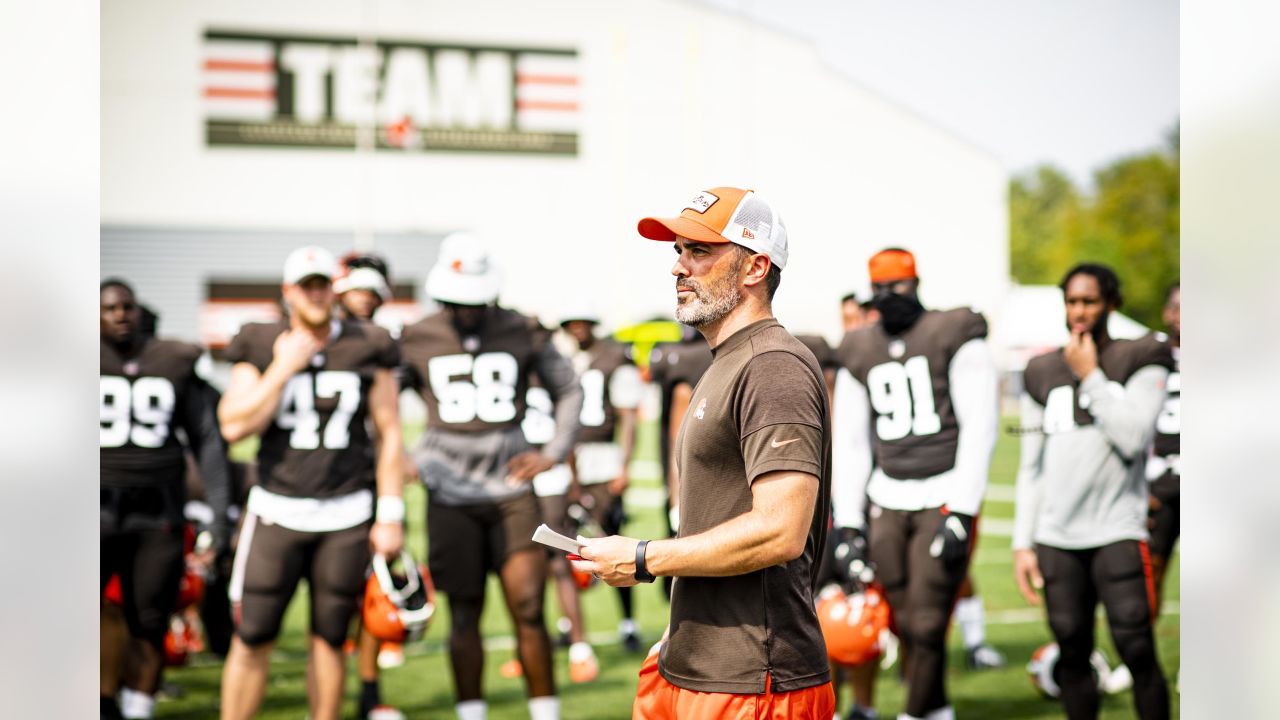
(137, 412)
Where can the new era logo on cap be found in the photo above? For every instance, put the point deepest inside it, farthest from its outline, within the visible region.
(725, 214)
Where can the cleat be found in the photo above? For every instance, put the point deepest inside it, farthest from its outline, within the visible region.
(384, 712)
(983, 657)
(631, 643)
(511, 669)
(584, 670)
(1118, 680)
(857, 712)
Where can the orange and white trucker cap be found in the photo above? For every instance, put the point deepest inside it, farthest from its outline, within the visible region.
(464, 274)
(307, 261)
(725, 214)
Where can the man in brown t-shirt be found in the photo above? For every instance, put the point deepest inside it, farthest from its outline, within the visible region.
(754, 461)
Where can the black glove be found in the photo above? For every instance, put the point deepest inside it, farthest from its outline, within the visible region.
(951, 544)
(850, 554)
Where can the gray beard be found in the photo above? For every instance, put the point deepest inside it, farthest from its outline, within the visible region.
(708, 304)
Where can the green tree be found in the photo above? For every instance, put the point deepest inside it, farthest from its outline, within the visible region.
(1130, 222)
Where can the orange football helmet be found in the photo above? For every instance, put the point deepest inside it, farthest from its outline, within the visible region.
(190, 588)
(113, 593)
(854, 626)
(398, 608)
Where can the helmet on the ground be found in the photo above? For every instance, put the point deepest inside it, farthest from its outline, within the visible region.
(1043, 669)
(398, 606)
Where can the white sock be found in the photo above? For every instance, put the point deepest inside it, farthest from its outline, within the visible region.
(627, 627)
(136, 705)
(472, 710)
(579, 652)
(973, 621)
(943, 713)
(546, 707)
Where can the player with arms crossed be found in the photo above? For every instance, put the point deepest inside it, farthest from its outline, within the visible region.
(307, 385)
(916, 398)
(1089, 412)
(472, 362)
(148, 389)
(754, 462)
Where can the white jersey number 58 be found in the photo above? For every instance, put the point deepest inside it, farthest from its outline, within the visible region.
(482, 387)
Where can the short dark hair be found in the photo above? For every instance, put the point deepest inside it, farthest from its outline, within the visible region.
(115, 282)
(851, 297)
(771, 280)
(1108, 282)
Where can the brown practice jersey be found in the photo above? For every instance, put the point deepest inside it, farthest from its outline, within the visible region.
(318, 444)
(908, 384)
(599, 416)
(760, 408)
(143, 399)
(476, 383)
(1050, 382)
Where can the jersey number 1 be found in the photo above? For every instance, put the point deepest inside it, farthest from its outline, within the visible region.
(902, 395)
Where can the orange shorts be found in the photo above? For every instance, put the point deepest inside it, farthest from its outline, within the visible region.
(657, 699)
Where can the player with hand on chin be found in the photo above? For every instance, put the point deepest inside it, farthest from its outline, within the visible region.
(307, 386)
(754, 460)
(1089, 413)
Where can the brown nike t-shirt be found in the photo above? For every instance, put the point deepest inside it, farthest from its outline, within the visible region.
(760, 408)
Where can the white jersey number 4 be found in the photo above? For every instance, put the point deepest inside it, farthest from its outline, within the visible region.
(482, 387)
(298, 409)
(137, 412)
(902, 395)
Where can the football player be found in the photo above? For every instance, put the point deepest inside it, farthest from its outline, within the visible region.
(1164, 468)
(308, 386)
(471, 362)
(676, 368)
(362, 285)
(148, 389)
(854, 314)
(1088, 414)
(914, 428)
(611, 393)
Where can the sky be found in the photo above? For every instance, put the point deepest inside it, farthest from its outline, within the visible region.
(1073, 83)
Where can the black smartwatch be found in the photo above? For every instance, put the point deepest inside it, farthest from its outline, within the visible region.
(642, 572)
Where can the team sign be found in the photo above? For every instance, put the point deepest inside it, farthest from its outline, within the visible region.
(295, 91)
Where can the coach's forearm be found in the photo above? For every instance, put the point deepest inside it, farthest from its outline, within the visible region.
(773, 532)
(744, 544)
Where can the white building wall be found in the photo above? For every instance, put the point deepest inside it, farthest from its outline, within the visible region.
(676, 98)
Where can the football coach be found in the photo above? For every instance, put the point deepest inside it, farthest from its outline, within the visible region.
(754, 456)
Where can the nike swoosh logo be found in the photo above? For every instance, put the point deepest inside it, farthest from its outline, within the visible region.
(776, 444)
